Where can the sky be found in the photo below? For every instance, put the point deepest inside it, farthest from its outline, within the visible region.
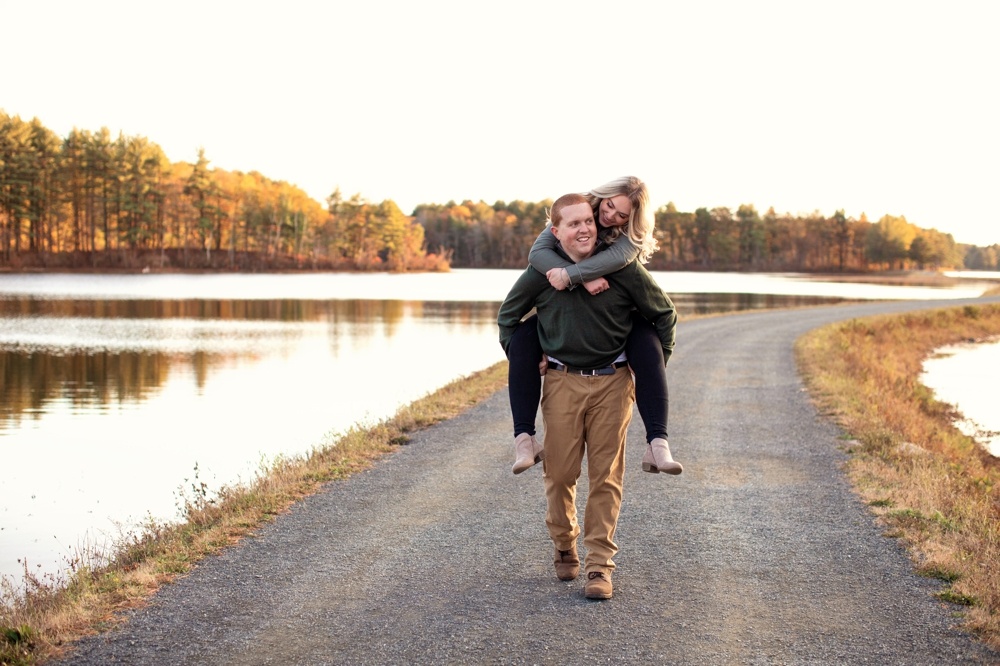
(873, 107)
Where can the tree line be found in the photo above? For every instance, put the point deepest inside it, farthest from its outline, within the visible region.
(93, 200)
(480, 235)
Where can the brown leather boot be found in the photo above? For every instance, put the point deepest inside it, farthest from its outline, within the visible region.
(567, 563)
(598, 585)
(658, 458)
(527, 451)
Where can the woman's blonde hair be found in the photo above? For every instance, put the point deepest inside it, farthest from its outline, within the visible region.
(639, 227)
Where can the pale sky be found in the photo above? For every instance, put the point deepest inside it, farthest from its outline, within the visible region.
(875, 107)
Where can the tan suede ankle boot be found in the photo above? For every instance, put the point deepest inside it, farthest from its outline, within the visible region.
(658, 458)
(527, 452)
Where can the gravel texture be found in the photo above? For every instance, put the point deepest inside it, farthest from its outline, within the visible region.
(758, 553)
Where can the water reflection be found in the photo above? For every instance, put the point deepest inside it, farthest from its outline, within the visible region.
(282, 310)
(82, 381)
(716, 303)
(92, 353)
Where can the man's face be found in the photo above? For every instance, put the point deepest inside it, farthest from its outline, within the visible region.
(577, 232)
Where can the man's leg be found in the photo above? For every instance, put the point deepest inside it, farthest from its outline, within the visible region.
(607, 422)
(563, 407)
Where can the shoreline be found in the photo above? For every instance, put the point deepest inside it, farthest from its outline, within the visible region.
(972, 417)
(914, 277)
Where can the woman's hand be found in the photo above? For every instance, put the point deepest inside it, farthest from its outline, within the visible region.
(543, 365)
(558, 278)
(597, 286)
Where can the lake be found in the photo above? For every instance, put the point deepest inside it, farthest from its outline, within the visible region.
(966, 376)
(120, 392)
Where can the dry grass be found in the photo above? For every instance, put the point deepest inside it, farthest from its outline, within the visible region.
(934, 488)
(45, 615)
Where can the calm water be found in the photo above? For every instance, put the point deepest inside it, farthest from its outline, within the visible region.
(966, 376)
(121, 392)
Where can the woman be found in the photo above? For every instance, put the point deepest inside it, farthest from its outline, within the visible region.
(626, 232)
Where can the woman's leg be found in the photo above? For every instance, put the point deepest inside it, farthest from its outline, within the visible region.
(645, 357)
(524, 384)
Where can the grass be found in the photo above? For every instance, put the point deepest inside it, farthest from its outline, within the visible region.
(39, 619)
(935, 489)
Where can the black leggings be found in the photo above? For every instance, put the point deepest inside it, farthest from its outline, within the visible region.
(645, 358)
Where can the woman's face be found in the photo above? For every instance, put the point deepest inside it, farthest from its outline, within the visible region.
(615, 211)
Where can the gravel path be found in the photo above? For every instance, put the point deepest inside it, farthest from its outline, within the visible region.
(758, 554)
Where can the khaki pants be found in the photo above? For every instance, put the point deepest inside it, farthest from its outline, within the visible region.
(584, 414)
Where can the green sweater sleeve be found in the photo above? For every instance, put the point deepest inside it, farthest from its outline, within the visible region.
(543, 257)
(519, 302)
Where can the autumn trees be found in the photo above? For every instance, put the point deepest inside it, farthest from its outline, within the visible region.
(28, 162)
(499, 236)
(895, 243)
(481, 235)
(372, 236)
(95, 200)
(746, 240)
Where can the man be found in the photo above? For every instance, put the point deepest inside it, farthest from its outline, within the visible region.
(588, 392)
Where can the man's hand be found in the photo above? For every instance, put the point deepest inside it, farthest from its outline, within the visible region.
(558, 278)
(543, 365)
(597, 286)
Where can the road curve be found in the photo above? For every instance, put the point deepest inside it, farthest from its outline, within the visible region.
(758, 554)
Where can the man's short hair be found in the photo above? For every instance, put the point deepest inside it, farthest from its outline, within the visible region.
(565, 200)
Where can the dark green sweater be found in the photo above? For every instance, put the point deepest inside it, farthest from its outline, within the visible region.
(587, 331)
